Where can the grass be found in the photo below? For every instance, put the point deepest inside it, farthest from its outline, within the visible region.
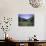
(25, 23)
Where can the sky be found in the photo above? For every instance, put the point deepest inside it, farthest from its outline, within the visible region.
(25, 16)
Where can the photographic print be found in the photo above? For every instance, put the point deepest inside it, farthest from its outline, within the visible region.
(25, 19)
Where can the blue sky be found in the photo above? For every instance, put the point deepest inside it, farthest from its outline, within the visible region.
(25, 16)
